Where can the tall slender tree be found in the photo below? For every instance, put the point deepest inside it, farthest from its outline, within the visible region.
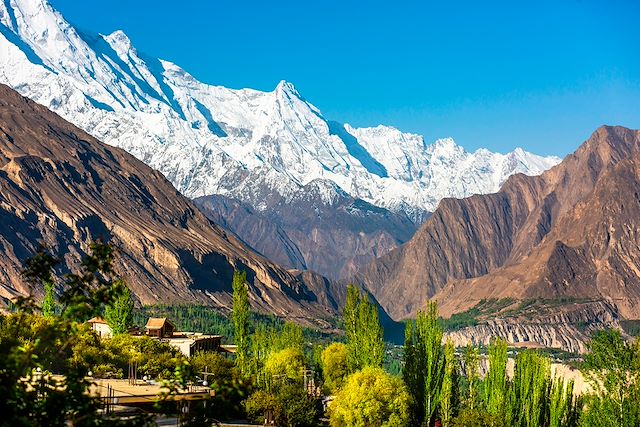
(240, 318)
(495, 387)
(449, 383)
(424, 364)
(471, 373)
(365, 342)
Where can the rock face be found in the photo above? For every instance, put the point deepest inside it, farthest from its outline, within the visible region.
(320, 227)
(572, 233)
(62, 187)
(567, 327)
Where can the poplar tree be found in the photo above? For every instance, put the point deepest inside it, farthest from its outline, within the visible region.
(449, 382)
(365, 342)
(471, 371)
(495, 387)
(424, 364)
(240, 319)
(529, 390)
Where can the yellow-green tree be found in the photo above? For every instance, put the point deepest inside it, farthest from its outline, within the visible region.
(371, 397)
(285, 365)
(334, 366)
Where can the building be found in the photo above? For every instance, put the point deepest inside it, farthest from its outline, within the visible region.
(189, 343)
(159, 327)
(100, 326)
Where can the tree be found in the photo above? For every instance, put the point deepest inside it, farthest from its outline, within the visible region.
(365, 337)
(29, 394)
(528, 396)
(240, 318)
(449, 386)
(471, 374)
(612, 367)
(119, 313)
(289, 405)
(285, 366)
(371, 397)
(334, 366)
(424, 363)
(495, 383)
(49, 302)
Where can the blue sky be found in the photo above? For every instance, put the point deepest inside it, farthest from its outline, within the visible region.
(540, 75)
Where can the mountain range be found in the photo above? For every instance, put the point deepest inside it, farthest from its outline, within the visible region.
(62, 188)
(556, 250)
(261, 149)
(191, 181)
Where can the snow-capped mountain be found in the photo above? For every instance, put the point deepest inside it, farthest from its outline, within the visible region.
(255, 146)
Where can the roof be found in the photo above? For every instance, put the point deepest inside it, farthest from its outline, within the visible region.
(157, 323)
(97, 320)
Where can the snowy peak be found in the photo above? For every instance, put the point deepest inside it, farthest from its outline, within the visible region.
(255, 146)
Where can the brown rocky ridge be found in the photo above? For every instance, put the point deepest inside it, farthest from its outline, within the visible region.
(63, 188)
(570, 235)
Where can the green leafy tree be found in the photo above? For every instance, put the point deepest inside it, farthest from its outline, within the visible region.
(365, 337)
(119, 313)
(495, 383)
(29, 394)
(529, 390)
(371, 397)
(240, 317)
(471, 376)
(49, 302)
(612, 367)
(424, 364)
(285, 366)
(334, 366)
(449, 386)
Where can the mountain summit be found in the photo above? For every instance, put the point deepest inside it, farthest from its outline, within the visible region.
(250, 145)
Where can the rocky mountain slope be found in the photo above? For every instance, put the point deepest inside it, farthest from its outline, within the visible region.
(570, 233)
(256, 147)
(320, 228)
(62, 187)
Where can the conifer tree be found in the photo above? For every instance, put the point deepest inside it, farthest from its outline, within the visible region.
(240, 318)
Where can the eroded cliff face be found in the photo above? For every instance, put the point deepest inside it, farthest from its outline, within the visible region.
(568, 233)
(566, 326)
(63, 188)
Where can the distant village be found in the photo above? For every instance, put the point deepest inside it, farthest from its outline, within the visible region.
(162, 329)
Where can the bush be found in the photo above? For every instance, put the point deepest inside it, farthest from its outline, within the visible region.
(371, 397)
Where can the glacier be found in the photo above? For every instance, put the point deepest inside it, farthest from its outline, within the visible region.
(258, 147)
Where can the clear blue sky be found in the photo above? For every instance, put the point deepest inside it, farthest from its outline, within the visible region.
(541, 75)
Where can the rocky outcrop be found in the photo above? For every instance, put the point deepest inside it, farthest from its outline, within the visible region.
(567, 327)
(63, 188)
(571, 232)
